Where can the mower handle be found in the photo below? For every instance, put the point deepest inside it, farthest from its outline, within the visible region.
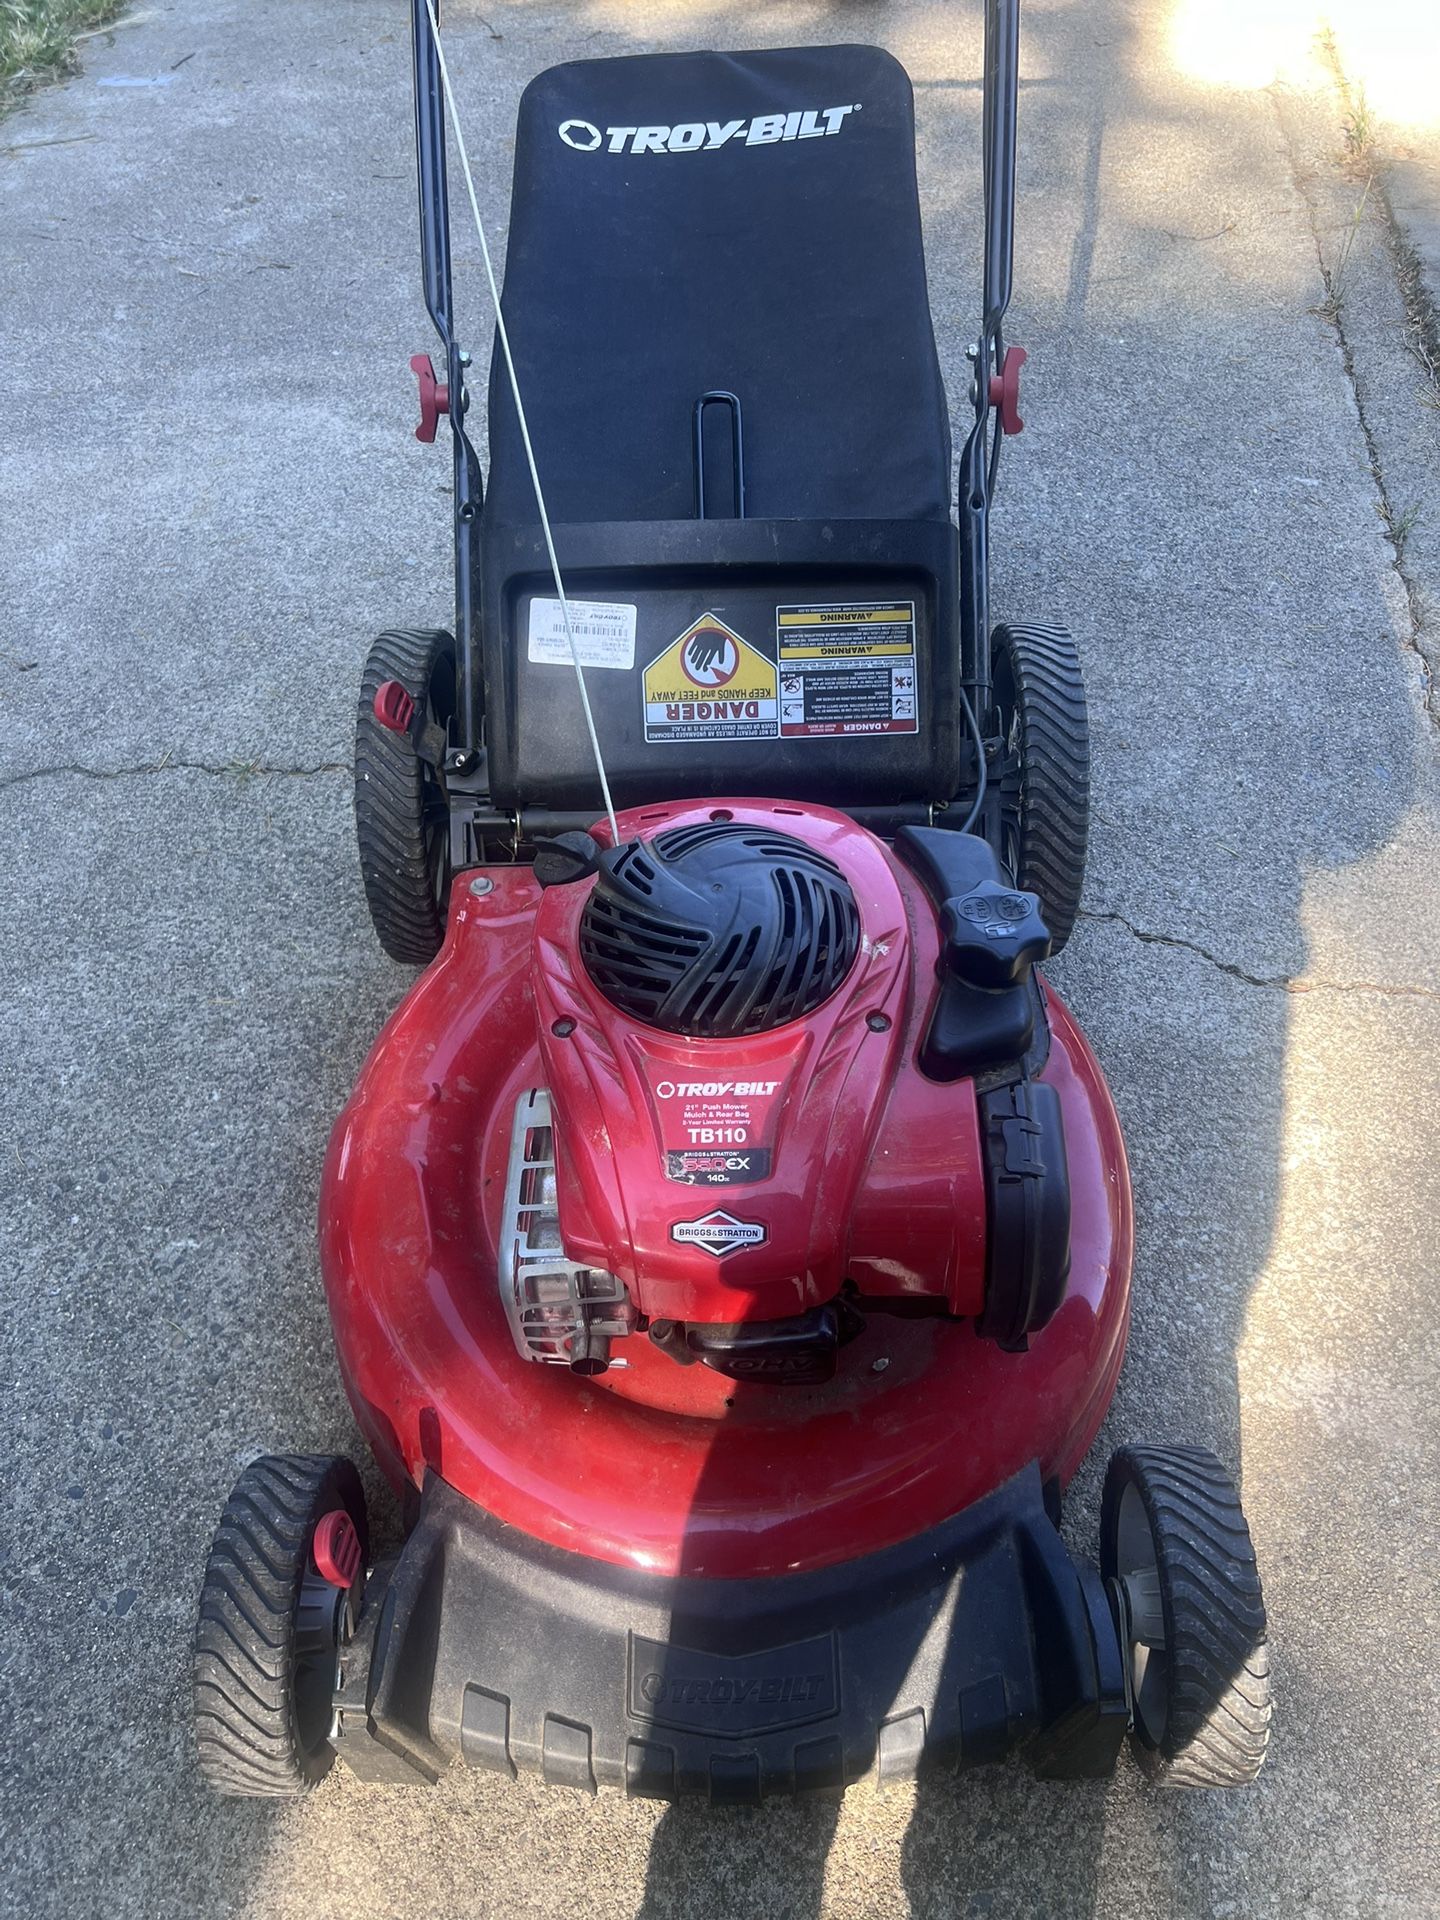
(1002, 83)
(996, 373)
(467, 489)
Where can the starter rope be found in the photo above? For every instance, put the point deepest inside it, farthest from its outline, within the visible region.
(503, 336)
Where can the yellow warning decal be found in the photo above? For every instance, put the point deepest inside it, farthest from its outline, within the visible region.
(848, 632)
(850, 650)
(847, 669)
(849, 616)
(710, 684)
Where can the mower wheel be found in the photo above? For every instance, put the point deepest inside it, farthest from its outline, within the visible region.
(271, 1627)
(1038, 715)
(1176, 1555)
(402, 816)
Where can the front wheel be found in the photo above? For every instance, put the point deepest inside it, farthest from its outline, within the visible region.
(1176, 1555)
(272, 1626)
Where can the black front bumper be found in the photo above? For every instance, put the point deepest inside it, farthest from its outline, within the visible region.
(979, 1638)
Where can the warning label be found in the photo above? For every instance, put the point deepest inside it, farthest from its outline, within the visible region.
(847, 669)
(716, 1133)
(710, 684)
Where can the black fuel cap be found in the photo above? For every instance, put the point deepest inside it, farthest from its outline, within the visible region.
(993, 935)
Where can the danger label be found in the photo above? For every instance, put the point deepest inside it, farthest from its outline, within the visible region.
(716, 1133)
(710, 684)
(847, 668)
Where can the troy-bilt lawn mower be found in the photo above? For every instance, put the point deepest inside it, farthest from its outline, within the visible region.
(728, 1241)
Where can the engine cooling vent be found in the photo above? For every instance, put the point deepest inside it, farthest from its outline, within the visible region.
(719, 930)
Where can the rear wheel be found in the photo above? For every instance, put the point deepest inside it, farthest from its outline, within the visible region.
(271, 1627)
(402, 816)
(1176, 1554)
(1037, 712)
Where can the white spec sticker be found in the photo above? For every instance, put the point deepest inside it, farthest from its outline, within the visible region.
(604, 633)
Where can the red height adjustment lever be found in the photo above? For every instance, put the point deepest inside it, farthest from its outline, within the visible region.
(336, 1547)
(394, 707)
(1005, 390)
(434, 396)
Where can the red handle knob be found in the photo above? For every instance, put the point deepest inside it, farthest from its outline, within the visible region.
(434, 396)
(1005, 390)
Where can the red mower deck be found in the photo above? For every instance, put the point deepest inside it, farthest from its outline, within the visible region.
(671, 1469)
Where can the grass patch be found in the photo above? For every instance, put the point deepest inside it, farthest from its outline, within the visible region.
(37, 39)
(1359, 127)
(1400, 526)
(1332, 307)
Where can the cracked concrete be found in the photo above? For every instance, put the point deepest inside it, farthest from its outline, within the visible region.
(237, 770)
(1387, 57)
(1341, 268)
(1383, 318)
(210, 500)
(1284, 982)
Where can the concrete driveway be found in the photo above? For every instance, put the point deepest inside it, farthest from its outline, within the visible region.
(210, 499)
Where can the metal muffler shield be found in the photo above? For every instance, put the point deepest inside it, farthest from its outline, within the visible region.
(559, 1311)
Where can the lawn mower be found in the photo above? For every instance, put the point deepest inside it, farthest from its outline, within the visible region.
(728, 1240)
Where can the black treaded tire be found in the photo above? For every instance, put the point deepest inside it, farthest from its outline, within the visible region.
(402, 821)
(262, 1698)
(1038, 713)
(1202, 1709)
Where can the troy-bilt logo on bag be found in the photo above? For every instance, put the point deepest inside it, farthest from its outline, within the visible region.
(719, 1233)
(704, 136)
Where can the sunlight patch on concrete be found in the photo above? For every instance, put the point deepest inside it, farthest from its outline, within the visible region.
(1238, 43)
(1389, 48)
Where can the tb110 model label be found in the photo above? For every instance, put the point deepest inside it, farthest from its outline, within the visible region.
(716, 1133)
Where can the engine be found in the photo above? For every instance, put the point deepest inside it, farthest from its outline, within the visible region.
(790, 1079)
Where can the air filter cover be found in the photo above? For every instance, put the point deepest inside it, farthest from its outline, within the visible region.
(718, 930)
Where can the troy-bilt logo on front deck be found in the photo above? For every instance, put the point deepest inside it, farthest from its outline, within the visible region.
(704, 136)
(713, 1089)
(709, 1693)
(719, 1233)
